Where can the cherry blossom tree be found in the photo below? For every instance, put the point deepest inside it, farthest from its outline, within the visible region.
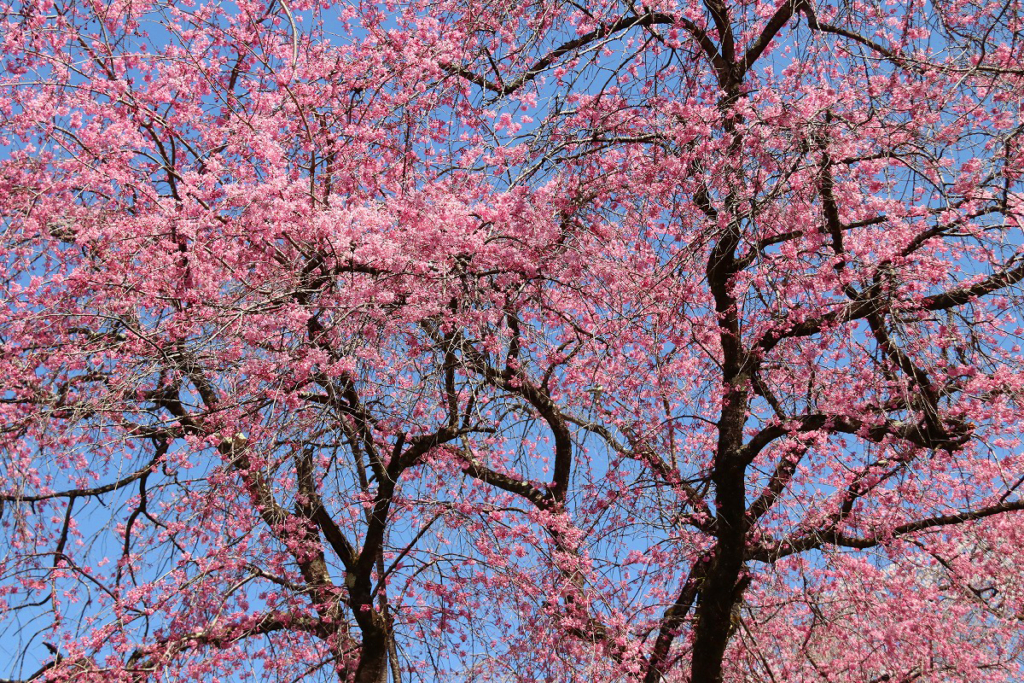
(541, 341)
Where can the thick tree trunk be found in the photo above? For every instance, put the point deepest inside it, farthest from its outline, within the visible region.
(719, 592)
(373, 658)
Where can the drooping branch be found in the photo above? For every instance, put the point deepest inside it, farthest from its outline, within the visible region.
(867, 303)
(770, 31)
(538, 67)
(950, 436)
(88, 492)
(822, 538)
